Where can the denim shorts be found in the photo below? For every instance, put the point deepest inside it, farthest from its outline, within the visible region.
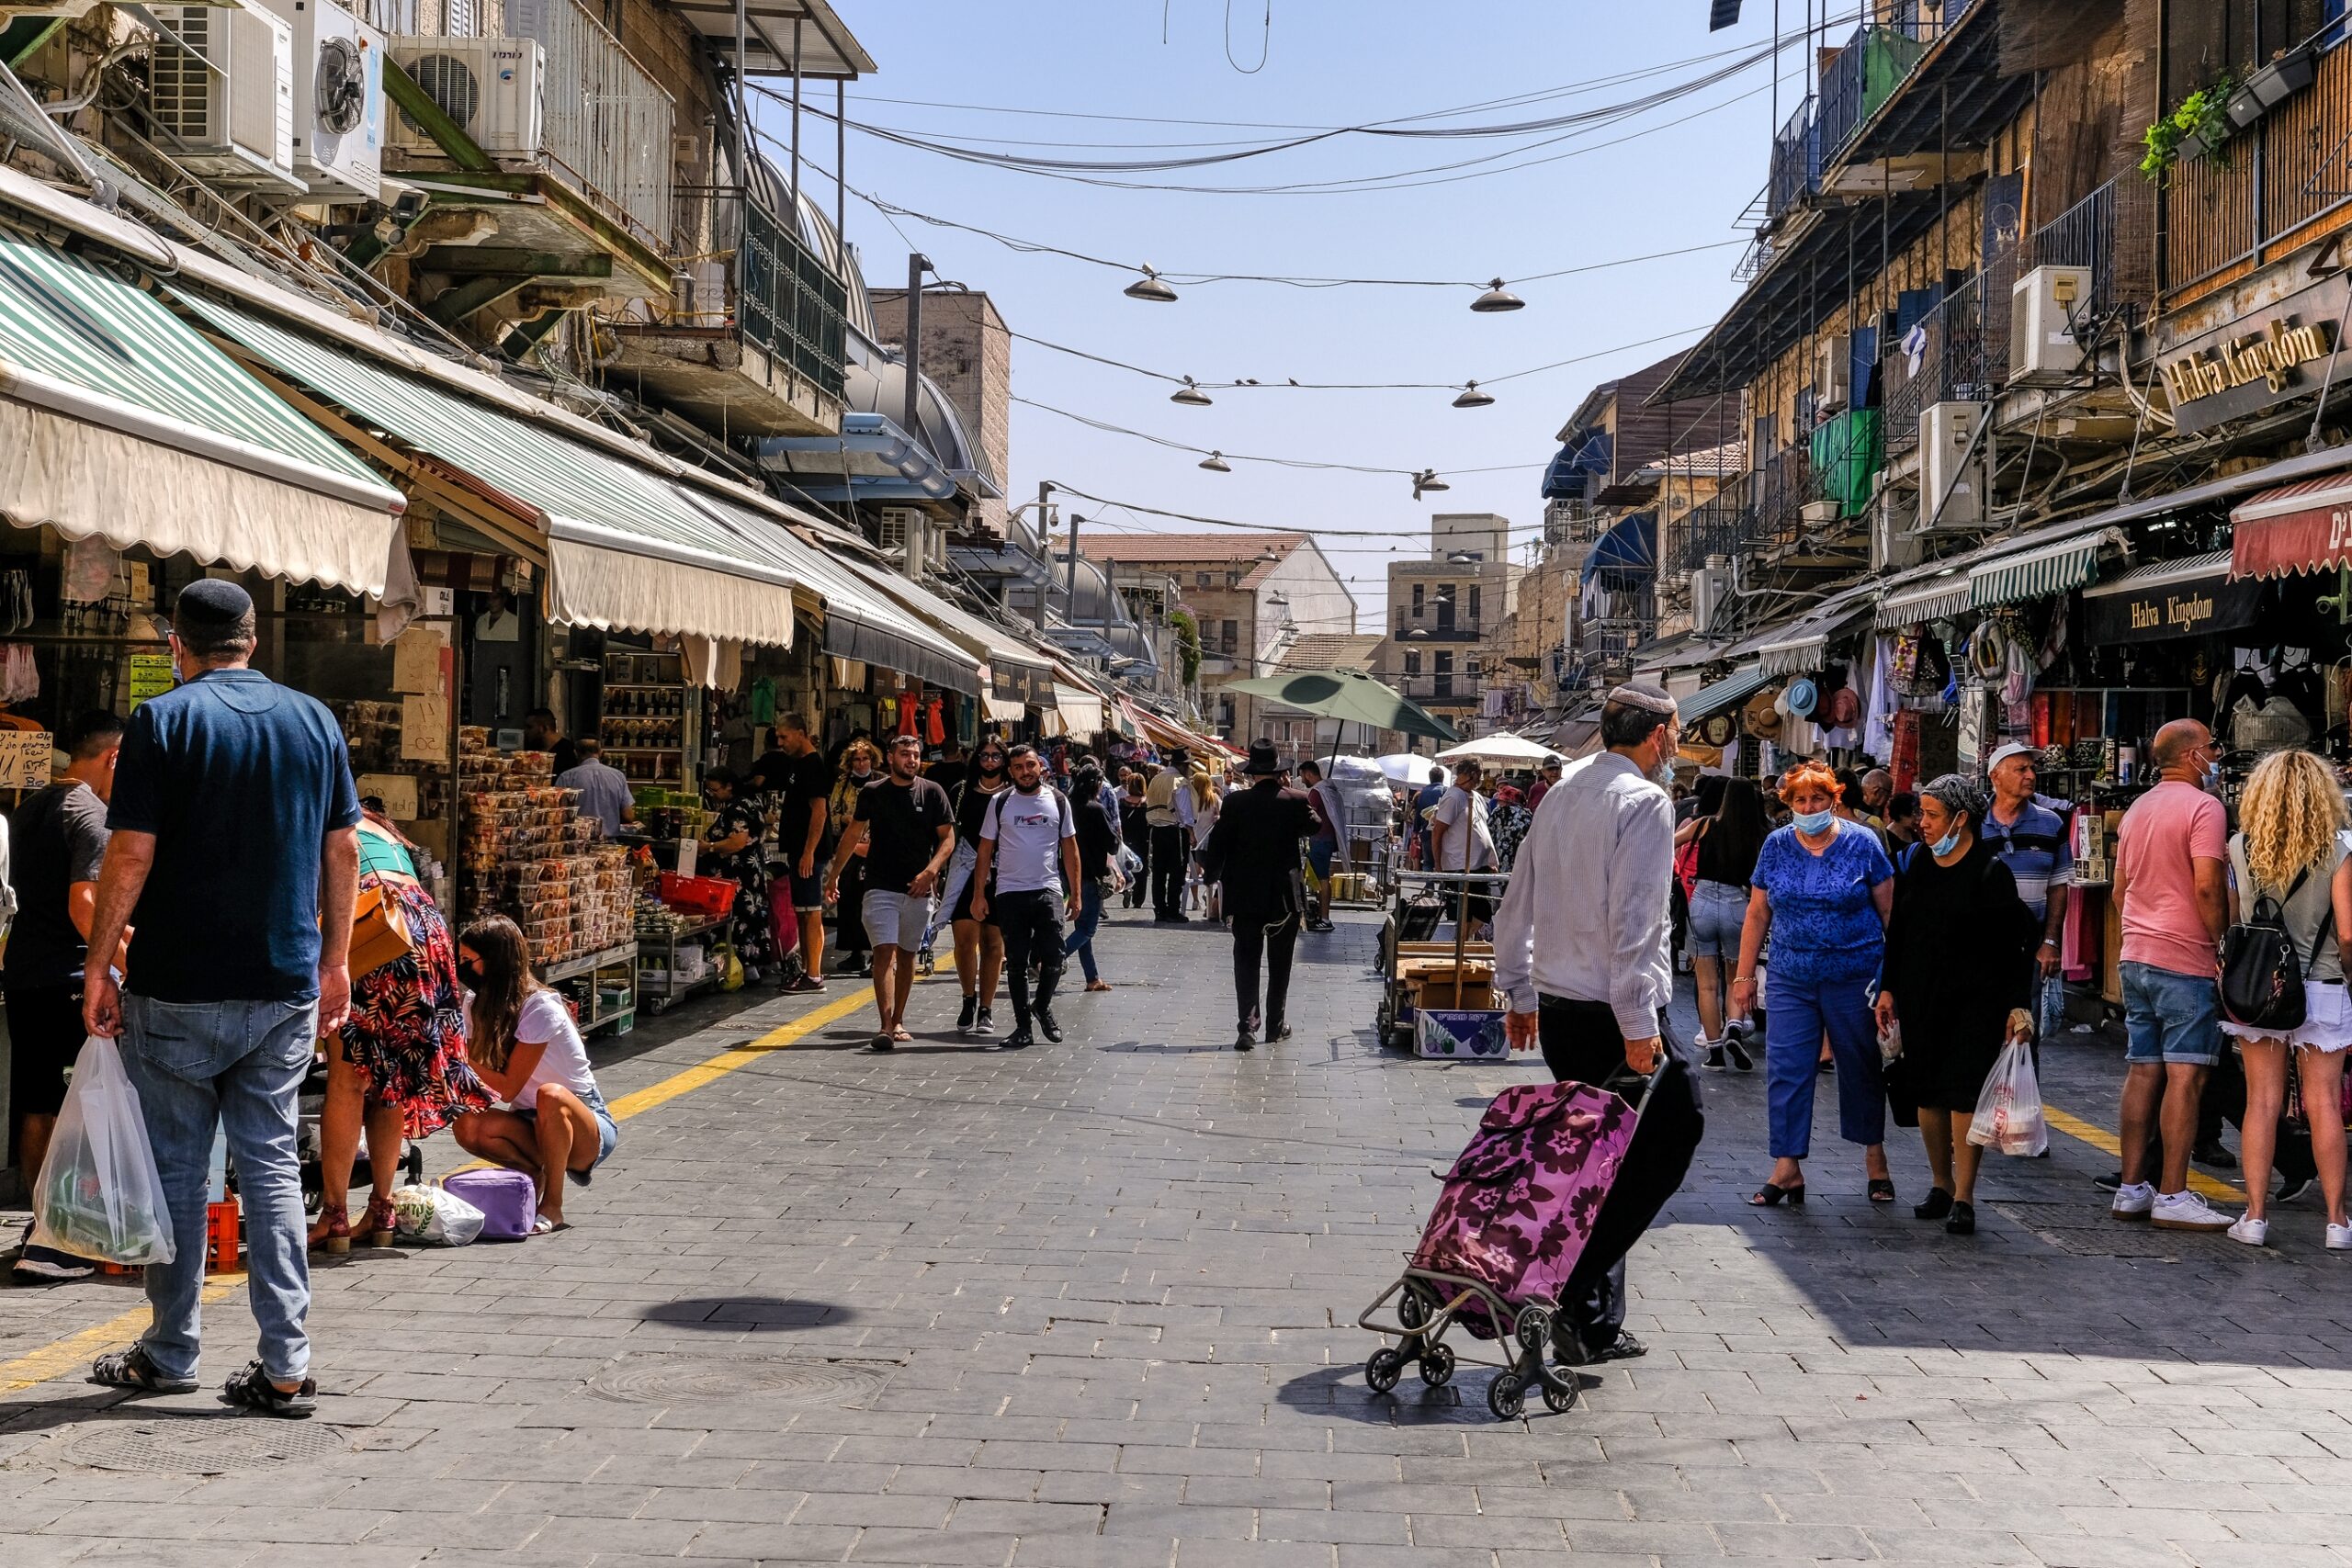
(608, 1132)
(2169, 1017)
(1718, 911)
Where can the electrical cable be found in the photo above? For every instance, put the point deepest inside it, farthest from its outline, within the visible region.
(1419, 533)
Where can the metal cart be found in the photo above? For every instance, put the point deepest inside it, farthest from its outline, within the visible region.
(657, 994)
(1411, 959)
(609, 973)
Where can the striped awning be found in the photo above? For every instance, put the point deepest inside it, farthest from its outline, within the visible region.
(1937, 598)
(2037, 573)
(1017, 672)
(624, 550)
(119, 421)
(2293, 528)
(1729, 692)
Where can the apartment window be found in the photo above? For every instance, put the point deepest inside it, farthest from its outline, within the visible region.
(1224, 712)
(1205, 579)
(1417, 600)
(1445, 606)
(1412, 663)
(1443, 686)
(1233, 578)
(1228, 638)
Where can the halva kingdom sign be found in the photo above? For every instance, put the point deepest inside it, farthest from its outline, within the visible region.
(2245, 367)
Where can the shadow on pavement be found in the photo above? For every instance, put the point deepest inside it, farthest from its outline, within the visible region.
(733, 1314)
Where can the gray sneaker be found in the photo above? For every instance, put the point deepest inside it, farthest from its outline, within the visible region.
(985, 1023)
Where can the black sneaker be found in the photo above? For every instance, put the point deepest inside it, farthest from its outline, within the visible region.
(1714, 1056)
(1624, 1348)
(2110, 1182)
(1277, 1030)
(985, 1023)
(2292, 1190)
(965, 1020)
(1019, 1040)
(1734, 1043)
(1047, 1026)
(1245, 1041)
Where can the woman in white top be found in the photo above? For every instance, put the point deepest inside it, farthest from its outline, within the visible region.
(1207, 806)
(2289, 849)
(526, 1048)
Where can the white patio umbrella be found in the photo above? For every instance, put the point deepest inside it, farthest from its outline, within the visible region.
(1503, 749)
(1406, 767)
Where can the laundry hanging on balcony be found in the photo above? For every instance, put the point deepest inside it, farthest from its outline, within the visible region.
(1624, 560)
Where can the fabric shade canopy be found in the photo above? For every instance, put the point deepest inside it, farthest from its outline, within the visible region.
(1584, 457)
(1349, 695)
(100, 384)
(1504, 751)
(1626, 557)
(1018, 673)
(1729, 692)
(2039, 570)
(624, 550)
(2291, 528)
(1939, 598)
(1082, 709)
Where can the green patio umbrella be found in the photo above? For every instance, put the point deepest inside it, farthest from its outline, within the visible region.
(1348, 695)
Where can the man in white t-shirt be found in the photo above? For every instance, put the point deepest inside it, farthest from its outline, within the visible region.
(1027, 877)
(1460, 839)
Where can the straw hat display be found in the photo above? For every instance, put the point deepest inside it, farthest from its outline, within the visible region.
(1763, 715)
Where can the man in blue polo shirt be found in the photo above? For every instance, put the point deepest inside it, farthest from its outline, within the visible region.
(2031, 839)
(235, 852)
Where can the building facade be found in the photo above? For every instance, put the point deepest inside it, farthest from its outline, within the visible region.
(1446, 618)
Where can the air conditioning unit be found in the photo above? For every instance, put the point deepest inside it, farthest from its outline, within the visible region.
(1833, 374)
(221, 88)
(1711, 590)
(490, 87)
(2046, 307)
(900, 528)
(338, 100)
(1953, 465)
(1894, 540)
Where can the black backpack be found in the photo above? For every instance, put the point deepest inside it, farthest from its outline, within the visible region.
(2262, 975)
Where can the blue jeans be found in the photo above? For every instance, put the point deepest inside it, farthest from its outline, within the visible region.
(1718, 914)
(236, 1067)
(2169, 1017)
(1081, 936)
(1800, 1011)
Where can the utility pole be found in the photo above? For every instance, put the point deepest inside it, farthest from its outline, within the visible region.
(1074, 521)
(917, 264)
(1046, 542)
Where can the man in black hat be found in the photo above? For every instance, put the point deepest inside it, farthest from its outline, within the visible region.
(235, 854)
(1253, 851)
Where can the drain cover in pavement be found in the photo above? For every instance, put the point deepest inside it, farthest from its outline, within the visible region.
(655, 1379)
(217, 1445)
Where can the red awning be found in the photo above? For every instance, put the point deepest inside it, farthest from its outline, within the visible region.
(2305, 526)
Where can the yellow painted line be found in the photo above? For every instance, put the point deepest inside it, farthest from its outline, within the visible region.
(2101, 1139)
(76, 1350)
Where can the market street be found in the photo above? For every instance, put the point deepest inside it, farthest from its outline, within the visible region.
(1096, 1303)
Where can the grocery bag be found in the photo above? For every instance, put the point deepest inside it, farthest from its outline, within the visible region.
(99, 1194)
(434, 1215)
(2008, 1113)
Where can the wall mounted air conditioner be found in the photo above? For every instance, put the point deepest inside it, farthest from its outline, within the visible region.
(1833, 374)
(1894, 542)
(490, 87)
(900, 528)
(338, 100)
(1953, 465)
(1710, 591)
(222, 87)
(2046, 306)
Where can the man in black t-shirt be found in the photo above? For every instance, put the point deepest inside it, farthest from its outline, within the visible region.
(798, 772)
(910, 831)
(951, 769)
(58, 842)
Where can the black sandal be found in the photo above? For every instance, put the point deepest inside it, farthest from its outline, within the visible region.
(1770, 1196)
(135, 1368)
(253, 1390)
(1882, 1189)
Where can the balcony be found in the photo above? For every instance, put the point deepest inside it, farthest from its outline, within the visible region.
(759, 347)
(2108, 232)
(1608, 642)
(1723, 524)
(1796, 161)
(2279, 185)
(1456, 687)
(1963, 356)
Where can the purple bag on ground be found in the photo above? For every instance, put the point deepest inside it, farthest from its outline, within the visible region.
(1519, 1203)
(509, 1200)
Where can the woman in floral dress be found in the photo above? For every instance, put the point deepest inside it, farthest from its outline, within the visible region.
(398, 1066)
(732, 849)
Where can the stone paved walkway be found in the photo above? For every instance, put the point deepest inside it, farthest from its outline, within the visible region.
(1093, 1303)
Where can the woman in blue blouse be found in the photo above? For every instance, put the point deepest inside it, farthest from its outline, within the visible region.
(1823, 888)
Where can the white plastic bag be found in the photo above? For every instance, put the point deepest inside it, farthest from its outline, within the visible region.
(434, 1216)
(99, 1194)
(2008, 1113)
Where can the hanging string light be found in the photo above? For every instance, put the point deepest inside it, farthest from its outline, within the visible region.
(1472, 397)
(1214, 463)
(1149, 286)
(1191, 396)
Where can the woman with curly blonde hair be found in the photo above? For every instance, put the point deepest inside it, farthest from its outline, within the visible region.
(1822, 891)
(2290, 852)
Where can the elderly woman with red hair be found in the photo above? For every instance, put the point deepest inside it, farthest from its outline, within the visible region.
(1822, 890)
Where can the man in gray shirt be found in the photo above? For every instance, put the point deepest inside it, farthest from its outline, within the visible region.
(1581, 951)
(604, 789)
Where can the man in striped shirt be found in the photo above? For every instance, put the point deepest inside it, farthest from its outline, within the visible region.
(2031, 839)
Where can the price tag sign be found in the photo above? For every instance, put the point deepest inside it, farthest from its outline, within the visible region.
(24, 759)
(151, 676)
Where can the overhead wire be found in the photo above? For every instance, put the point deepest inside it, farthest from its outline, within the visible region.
(1308, 529)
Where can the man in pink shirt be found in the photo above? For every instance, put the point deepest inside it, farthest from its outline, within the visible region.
(2171, 881)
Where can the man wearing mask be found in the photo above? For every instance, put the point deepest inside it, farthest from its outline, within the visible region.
(2172, 884)
(1581, 953)
(59, 844)
(1029, 846)
(904, 824)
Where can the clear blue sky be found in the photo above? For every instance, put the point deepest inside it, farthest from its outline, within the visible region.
(1328, 63)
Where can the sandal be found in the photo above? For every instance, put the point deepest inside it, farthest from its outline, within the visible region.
(1098, 985)
(333, 1230)
(1770, 1196)
(542, 1225)
(379, 1223)
(901, 1035)
(136, 1369)
(251, 1390)
(1882, 1189)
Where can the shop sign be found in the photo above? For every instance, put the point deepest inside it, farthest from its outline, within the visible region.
(2170, 610)
(2246, 366)
(25, 756)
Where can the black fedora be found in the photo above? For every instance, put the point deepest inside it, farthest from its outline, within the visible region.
(1263, 760)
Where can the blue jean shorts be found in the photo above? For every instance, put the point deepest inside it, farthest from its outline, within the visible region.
(608, 1132)
(1718, 911)
(2170, 1016)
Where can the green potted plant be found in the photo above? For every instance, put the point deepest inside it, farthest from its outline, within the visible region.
(2196, 127)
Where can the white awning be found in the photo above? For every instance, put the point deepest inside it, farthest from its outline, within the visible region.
(1081, 708)
(119, 421)
(1939, 598)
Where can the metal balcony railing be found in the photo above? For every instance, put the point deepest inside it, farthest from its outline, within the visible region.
(1796, 159)
(2108, 232)
(1609, 641)
(780, 297)
(1962, 353)
(1876, 60)
(1723, 524)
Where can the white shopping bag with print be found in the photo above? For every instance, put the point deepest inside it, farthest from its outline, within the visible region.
(2008, 1113)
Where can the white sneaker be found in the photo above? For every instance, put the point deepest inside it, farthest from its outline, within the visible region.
(2133, 1202)
(2187, 1211)
(2256, 1233)
(2339, 1238)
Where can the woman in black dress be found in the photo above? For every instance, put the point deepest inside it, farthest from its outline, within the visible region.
(1958, 958)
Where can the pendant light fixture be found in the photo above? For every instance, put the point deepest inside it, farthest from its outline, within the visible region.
(1496, 298)
(1214, 463)
(1472, 397)
(1149, 286)
(1191, 396)
(1427, 481)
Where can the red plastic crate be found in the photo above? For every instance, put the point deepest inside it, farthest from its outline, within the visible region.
(698, 895)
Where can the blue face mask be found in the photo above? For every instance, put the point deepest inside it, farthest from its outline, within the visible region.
(1945, 845)
(1815, 822)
